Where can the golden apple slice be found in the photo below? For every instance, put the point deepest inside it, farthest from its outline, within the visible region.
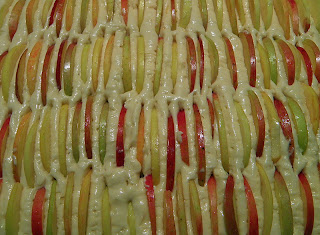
(110, 10)
(69, 13)
(76, 131)
(266, 12)
(44, 75)
(297, 59)
(204, 12)
(140, 12)
(84, 203)
(126, 65)
(67, 208)
(62, 136)
(282, 10)
(84, 62)
(106, 217)
(30, 13)
(45, 12)
(168, 217)
(12, 217)
(268, 45)
(95, 12)
(20, 76)
(231, 7)
(195, 208)
(96, 60)
(185, 13)
(32, 66)
(174, 63)
(240, 10)
(52, 226)
(68, 68)
(180, 204)
(140, 138)
(14, 18)
(131, 219)
(157, 75)
(158, 16)
(4, 133)
(45, 140)
(140, 66)
(108, 59)
(4, 11)
(264, 65)
(103, 131)
(218, 9)
(312, 103)
(214, 59)
(155, 158)
(84, 14)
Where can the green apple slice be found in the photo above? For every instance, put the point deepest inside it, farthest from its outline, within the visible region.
(159, 16)
(4, 11)
(12, 218)
(214, 59)
(231, 6)
(312, 103)
(103, 131)
(52, 211)
(267, 12)
(204, 12)
(181, 214)
(106, 217)
(240, 10)
(84, 14)
(96, 59)
(155, 158)
(131, 219)
(84, 62)
(254, 6)
(157, 75)
(108, 59)
(67, 209)
(126, 65)
(110, 10)
(84, 203)
(140, 66)
(140, 12)
(45, 140)
(314, 6)
(185, 13)
(62, 137)
(195, 208)
(218, 9)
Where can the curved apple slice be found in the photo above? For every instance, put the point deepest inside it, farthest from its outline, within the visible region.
(168, 217)
(297, 58)
(69, 14)
(211, 113)
(125, 10)
(68, 68)
(107, 60)
(4, 11)
(213, 200)
(20, 76)
(294, 15)
(88, 127)
(32, 66)
(231, 62)
(267, 12)
(12, 217)
(192, 62)
(103, 131)
(37, 211)
(131, 218)
(76, 131)
(155, 158)
(95, 12)
(174, 63)
(45, 140)
(288, 60)
(158, 16)
(307, 63)
(84, 203)
(304, 14)
(96, 61)
(314, 53)
(62, 138)
(231, 7)
(29, 152)
(14, 18)
(157, 75)
(30, 13)
(151, 203)
(282, 10)
(67, 208)
(182, 126)
(312, 103)
(229, 208)
(195, 208)
(52, 210)
(110, 10)
(57, 15)
(140, 12)
(126, 64)
(141, 64)
(4, 132)
(272, 59)
(185, 13)
(240, 10)
(84, 14)
(249, 56)
(180, 206)
(106, 217)
(171, 155)
(314, 10)
(173, 15)
(204, 12)
(214, 59)
(60, 58)
(44, 75)
(218, 9)
(201, 60)
(45, 12)
(84, 62)
(140, 138)
(120, 154)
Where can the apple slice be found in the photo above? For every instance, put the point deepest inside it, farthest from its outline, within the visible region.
(297, 59)
(140, 12)
(20, 76)
(68, 68)
(18, 148)
(294, 15)
(204, 12)
(245, 133)
(30, 13)
(264, 61)
(125, 10)
(29, 152)
(174, 63)
(299, 123)
(96, 61)
(126, 64)
(200, 146)
(14, 18)
(173, 15)
(307, 63)
(213, 200)
(252, 209)
(201, 60)
(67, 208)
(259, 121)
(231, 7)
(282, 10)
(288, 60)
(214, 59)
(218, 9)
(222, 133)
(76, 131)
(180, 206)
(268, 45)
(103, 131)
(229, 208)
(52, 226)
(84, 14)
(155, 158)
(69, 14)
(45, 12)
(185, 13)
(107, 60)
(44, 75)
(314, 6)
(274, 127)
(267, 12)
(171, 155)
(120, 154)
(131, 219)
(61, 55)
(84, 203)
(314, 53)
(157, 74)
(182, 126)
(312, 103)
(151, 203)
(240, 10)
(140, 138)
(140, 66)
(307, 199)
(110, 10)
(106, 216)
(84, 62)
(45, 140)
(168, 217)
(211, 112)
(37, 211)
(57, 15)
(9, 67)
(195, 208)
(284, 204)
(32, 66)
(159, 16)
(249, 56)
(62, 138)
(231, 62)
(88, 127)
(12, 217)
(4, 132)
(95, 12)
(192, 63)
(4, 10)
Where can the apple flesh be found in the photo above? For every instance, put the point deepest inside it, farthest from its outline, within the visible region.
(240, 10)
(174, 63)
(289, 61)
(159, 16)
(213, 200)
(168, 217)
(272, 58)
(267, 12)
(84, 203)
(68, 68)
(185, 13)
(229, 208)
(126, 65)
(107, 60)
(155, 158)
(4, 132)
(157, 75)
(231, 63)
(131, 218)
(141, 64)
(314, 53)
(214, 59)
(14, 18)
(192, 63)
(30, 13)
(204, 12)
(67, 208)
(96, 61)
(45, 140)
(151, 203)
(84, 62)
(184, 146)
(76, 131)
(231, 7)
(20, 76)
(12, 216)
(141, 6)
(84, 14)
(88, 127)
(44, 75)
(62, 138)
(57, 15)
(282, 10)
(4, 10)
(95, 12)
(180, 206)
(211, 113)
(32, 66)
(294, 15)
(252, 209)
(312, 103)
(69, 14)
(307, 63)
(195, 208)
(173, 15)
(52, 226)
(171, 155)
(110, 10)
(120, 154)
(103, 131)
(37, 212)
(106, 217)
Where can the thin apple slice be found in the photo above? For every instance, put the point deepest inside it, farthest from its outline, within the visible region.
(12, 217)
(267, 12)
(192, 62)
(151, 203)
(284, 204)
(4, 11)
(57, 15)
(110, 10)
(131, 218)
(45, 140)
(140, 12)
(126, 64)
(174, 63)
(140, 138)
(52, 226)
(106, 216)
(180, 206)
(95, 12)
(120, 154)
(44, 75)
(231, 62)
(84, 62)
(96, 61)
(157, 74)
(141, 64)
(201, 60)
(84, 203)
(76, 131)
(62, 138)
(88, 127)
(185, 13)
(218, 9)
(195, 208)
(231, 7)
(182, 126)
(14, 18)
(9, 67)
(264, 61)
(204, 12)
(314, 53)
(211, 113)
(67, 208)
(252, 209)
(4, 132)
(214, 59)
(249, 56)
(173, 15)
(240, 10)
(213, 200)
(271, 58)
(37, 211)
(282, 10)
(125, 10)
(312, 104)
(171, 155)
(45, 12)
(229, 207)
(30, 13)
(304, 14)
(274, 127)
(222, 133)
(69, 14)
(297, 58)
(299, 123)
(107, 60)
(158, 16)
(103, 131)
(84, 14)
(60, 58)
(155, 158)
(20, 76)
(245, 133)
(294, 15)
(307, 63)
(200, 146)
(18, 148)
(68, 68)
(29, 152)
(288, 60)
(32, 66)
(168, 217)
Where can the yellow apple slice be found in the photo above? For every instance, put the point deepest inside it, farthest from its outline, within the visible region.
(185, 13)
(95, 12)
(84, 62)
(168, 217)
(52, 226)
(304, 14)
(67, 208)
(157, 75)
(204, 12)
(131, 219)
(159, 16)
(84, 203)
(14, 18)
(268, 45)
(69, 14)
(266, 12)
(231, 7)
(282, 10)
(96, 60)
(45, 12)
(62, 136)
(4, 11)
(110, 10)
(312, 103)
(68, 68)
(214, 59)
(84, 14)
(103, 131)
(155, 158)
(106, 217)
(314, 6)
(181, 214)
(140, 12)
(12, 218)
(32, 66)
(20, 76)
(140, 66)
(174, 63)
(45, 140)
(240, 10)
(195, 208)
(254, 6)
(218, 9)
(264, 65)
(126, 65)
(30, 13)
(108, 59)
(140, 138)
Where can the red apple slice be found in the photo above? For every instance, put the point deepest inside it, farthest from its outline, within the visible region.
(174, 63)
(84, 199)
(282, 10)
(192, 63)
(169, 227)
(195, 209)
(4, 132)
(20, 76)
(173, 15)
(14, 18)
(307, 63)
(120, 154)
(61, 54)
(171, 155)
(231, 62)
(151, 203)
(213, 200)
(57, 15)
(288, 60)
(88, 127)
(294, 15)
(37, 212)
(140, 138)
(229, 208)
(30, 13)
(32, 66)
(45, 75)
(182, 126)
(95, 12)
(211, 112)
(201, 60)
(125, 10)
(314, 53)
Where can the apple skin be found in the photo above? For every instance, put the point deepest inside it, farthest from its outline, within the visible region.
(192, 63)
(45, 75)
(68, 67)
(88, 127)
(204, 12)
(289, 61)
(211, 112)
(57, 15)
(95, 12)
(70, 5)
(229, 210)
(14, 18)
(151, 203)
(61, 53)
(84, 203)
(171, 155)
(159, 59)
(307, 63)
(52, 210)
(268, 44)
(314, 53)
(184, 147)
(32, 66)
(20, 76)
(195, 208)
(37, 212)
(282, 10)
(214, 59)
(173, 15)
(45, 140)
(62, 138)
(110, 10)
(30, 13)
(213, 199)
(231, 62)
(254, 6)
(267, 12)
(120, 154)
(169, 227)
(294, 15)
(12, 218)
(312, 102)
(4, 132)
(125, 10)
(201, 60)
(107, 60)
(84, 62)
